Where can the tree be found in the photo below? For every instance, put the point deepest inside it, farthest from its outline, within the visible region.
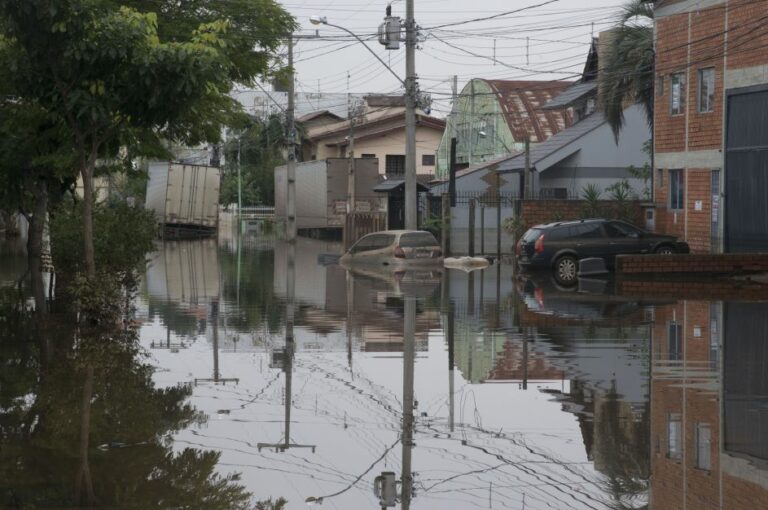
(628, 72)
(257, 149)
(105, 72)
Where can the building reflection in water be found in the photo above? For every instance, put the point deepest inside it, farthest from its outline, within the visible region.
(709, 405)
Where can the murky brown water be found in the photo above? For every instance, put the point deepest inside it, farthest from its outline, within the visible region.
(524, 395)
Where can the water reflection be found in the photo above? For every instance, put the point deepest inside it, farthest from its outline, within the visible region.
(436, 389)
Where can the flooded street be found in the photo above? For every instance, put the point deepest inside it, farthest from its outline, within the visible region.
(514, 393)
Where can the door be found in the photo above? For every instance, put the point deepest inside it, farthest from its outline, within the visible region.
(746, 170)
(396, 212)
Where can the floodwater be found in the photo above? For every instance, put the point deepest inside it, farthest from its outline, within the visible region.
(425, 390)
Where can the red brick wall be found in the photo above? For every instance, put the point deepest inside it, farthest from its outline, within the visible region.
(698, 224)
(715, 289)
(688, 42)
(705, 130)
(747, 36)
(671, 57)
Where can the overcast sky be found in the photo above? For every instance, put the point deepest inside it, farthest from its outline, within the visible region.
(539, 42)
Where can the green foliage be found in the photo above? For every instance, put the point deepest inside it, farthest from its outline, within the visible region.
(513, 226)
(628, 71)
(592, 207)
(623, 197)
(258, 149)
(644, 174)
(130, 74)
(123, 236)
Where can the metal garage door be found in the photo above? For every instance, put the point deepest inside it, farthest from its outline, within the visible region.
(746, 171)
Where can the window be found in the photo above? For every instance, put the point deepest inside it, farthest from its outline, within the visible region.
(427, 160)
(660, 86)
(675, 341)
(588, 231)
(676, 189)
(674, 436)
(677, 94)
(368, 156)
(395, 164)
(660, 179)
(703, 446)
(706, 89)
(619, 229)
(373, 242)
(420, 240)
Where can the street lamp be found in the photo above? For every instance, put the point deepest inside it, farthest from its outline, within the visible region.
(322, 20)
(410, 98)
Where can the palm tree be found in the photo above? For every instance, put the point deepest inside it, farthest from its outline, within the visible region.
(627, 74)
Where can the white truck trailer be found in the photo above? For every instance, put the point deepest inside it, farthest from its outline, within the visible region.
(185, 198)
(321, 191)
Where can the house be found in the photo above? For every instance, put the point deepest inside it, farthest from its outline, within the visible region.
(583, 154)
(710, 132)
(492, 118)
(378, 131)
(564, 156)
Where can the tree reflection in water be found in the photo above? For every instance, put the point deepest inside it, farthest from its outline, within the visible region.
(83, 425)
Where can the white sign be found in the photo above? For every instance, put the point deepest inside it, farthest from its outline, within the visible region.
(697, 205)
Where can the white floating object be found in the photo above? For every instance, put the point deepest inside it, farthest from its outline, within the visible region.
(466, 263)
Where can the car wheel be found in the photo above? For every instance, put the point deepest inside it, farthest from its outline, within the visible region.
(665, 250)
(566, 268)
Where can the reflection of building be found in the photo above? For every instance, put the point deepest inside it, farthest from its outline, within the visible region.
(709, 412)
(369, 305)
(185, 272)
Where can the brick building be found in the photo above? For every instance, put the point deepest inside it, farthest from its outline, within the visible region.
(708, 446)
(710, 125)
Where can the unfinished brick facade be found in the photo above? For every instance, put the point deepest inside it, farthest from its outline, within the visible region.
(725, 39)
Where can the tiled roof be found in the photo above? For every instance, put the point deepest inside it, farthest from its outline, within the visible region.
(522, 104)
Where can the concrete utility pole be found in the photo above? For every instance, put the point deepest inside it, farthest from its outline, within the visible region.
(411, 198)
(290, 227)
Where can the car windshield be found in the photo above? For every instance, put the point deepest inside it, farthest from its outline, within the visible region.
(531, 235)
(417, 240)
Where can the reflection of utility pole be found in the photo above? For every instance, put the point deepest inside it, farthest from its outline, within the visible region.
(286, 444)
(216, 379)
(409, 334)
(350, 301)
(288, 353)
(525, 360)
(451, 332)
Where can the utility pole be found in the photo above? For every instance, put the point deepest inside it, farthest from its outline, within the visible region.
(239, 183)
(411, 198)
(290, 227)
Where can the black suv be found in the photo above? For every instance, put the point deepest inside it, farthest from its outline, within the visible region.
(560, 245)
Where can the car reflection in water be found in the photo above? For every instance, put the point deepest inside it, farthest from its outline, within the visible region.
(592, 299)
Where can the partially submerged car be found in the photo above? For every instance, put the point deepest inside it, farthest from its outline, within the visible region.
(561, 245)
(397, 248)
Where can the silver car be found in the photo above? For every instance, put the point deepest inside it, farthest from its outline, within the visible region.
(397, 248)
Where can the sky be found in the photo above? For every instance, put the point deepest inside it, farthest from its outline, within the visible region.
(544, 39)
